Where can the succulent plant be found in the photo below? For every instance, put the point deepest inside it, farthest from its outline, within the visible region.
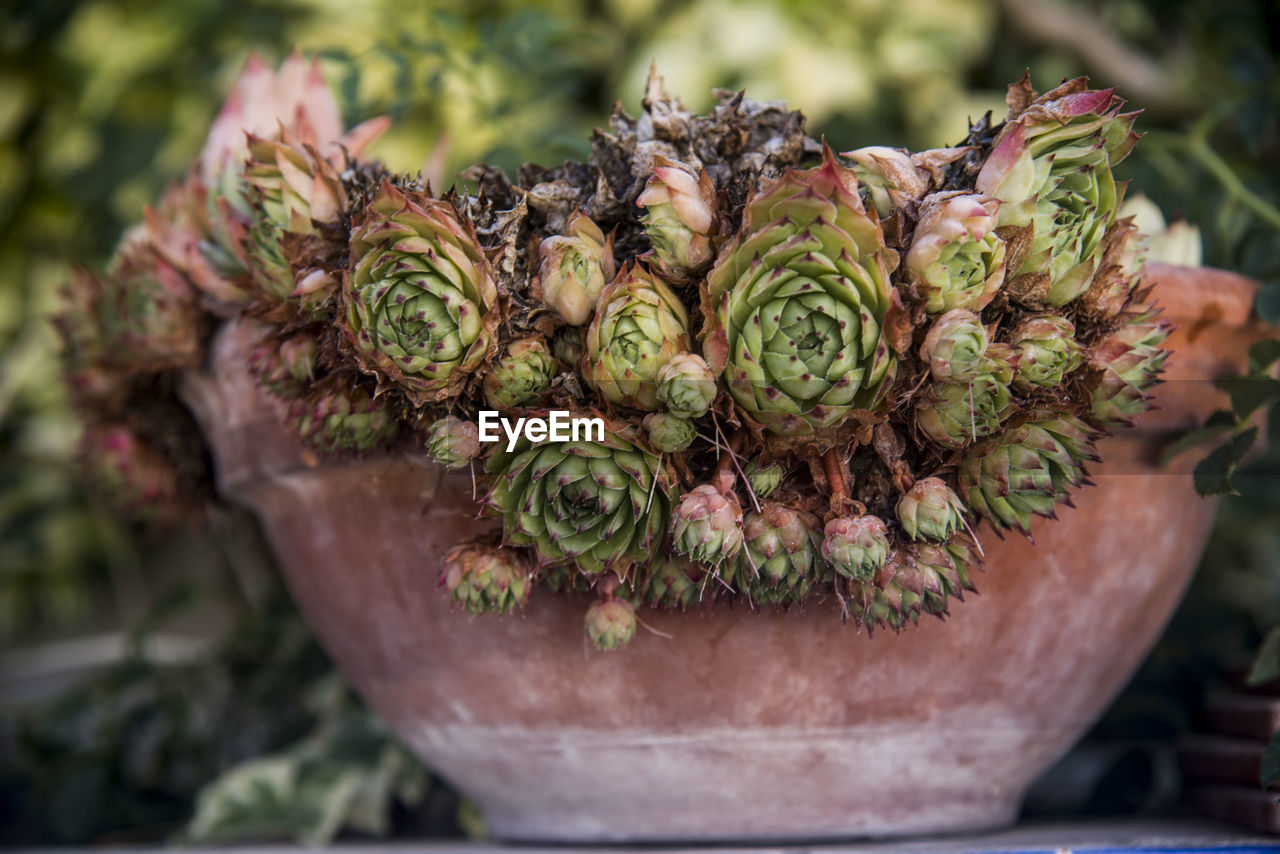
(1130, 360)
(667, 433)
(337, 419)
(419, 295)
(887, 176)
(131, 473)
(610, 623)
(960, 414)
(706, 526)
(285, 368)
(671, 583)
(779, 560)
(930, 510)
(686, 386)
(956, 260)
(855, 546)
(795, 303)
(640, 327)
(600, 505)
(1026, 470)
(568, 347)
(92, 381)
(680, 215)
(454, 442)
(485, 578)
(296, 199)
(955, 347)
(523, 373)
(1046, 351)
(150, 319)
(763, 480)
(575, 269)
(1050, 168)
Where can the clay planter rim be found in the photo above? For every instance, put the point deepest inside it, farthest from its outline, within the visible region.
(770, 725)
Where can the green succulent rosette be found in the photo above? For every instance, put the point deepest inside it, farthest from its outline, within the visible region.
(930, 510)
(575, 268)
(680, 215)
(671, 583)
(523, 373)
(335, 419)
(856, 546)
(419, 296)
(610, 624)
(285, 368)
(955, 347)
(956, 259)
(1051, 169)
(795, 304)
(486, 579)
(707, 526)
(1026, 470)
(454, 442)
(599, 505)
(962, 413)
(149, 318)
(1046, 352)
(667, 433)
(1129, 361)
(686, 386)
(763, 480)
(779, 562)
(639, 326)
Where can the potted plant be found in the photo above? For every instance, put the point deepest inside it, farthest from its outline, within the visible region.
(732, 401)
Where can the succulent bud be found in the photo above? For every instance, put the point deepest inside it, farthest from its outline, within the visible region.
(888, 175)
(453, 442)
(707, 526)
(780, 558)
(134, 476)
(680, 216)
(671, 583)
(930, 510)
(955, 347)
(523, 373)
(1130, 360)
(287, 368)
(575, 269)
(962, 414)
(1046, 352)
(568, 347)
(641, 325)
(855, 546)
(486, 579)
(956, 260)
(337, 419)
(667, 433)
(763, 480)
(1026, 470)
(686, 386)
(610, 623)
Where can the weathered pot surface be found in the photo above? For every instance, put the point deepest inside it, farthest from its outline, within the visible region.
(735, 724)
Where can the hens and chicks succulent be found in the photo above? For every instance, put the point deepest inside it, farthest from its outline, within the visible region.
(818, 372)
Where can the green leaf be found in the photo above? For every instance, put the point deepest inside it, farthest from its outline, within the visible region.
(1217, 425)
(1269, 774)
(1263, 354)
(1213, 474)
(1250, 393)
(1267, 665)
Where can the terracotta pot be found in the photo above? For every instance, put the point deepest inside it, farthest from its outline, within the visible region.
(740, 724)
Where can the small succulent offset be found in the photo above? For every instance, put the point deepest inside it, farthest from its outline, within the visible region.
(817, 374)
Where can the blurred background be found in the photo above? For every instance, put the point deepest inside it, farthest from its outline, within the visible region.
(161, 687)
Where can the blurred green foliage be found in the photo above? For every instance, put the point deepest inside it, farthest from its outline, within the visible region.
(102, 102)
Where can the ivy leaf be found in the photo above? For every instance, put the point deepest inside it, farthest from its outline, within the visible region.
(1269, 774)
(1213, 473)
(1267, 665)
(1216, 425)
(1263, 354)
